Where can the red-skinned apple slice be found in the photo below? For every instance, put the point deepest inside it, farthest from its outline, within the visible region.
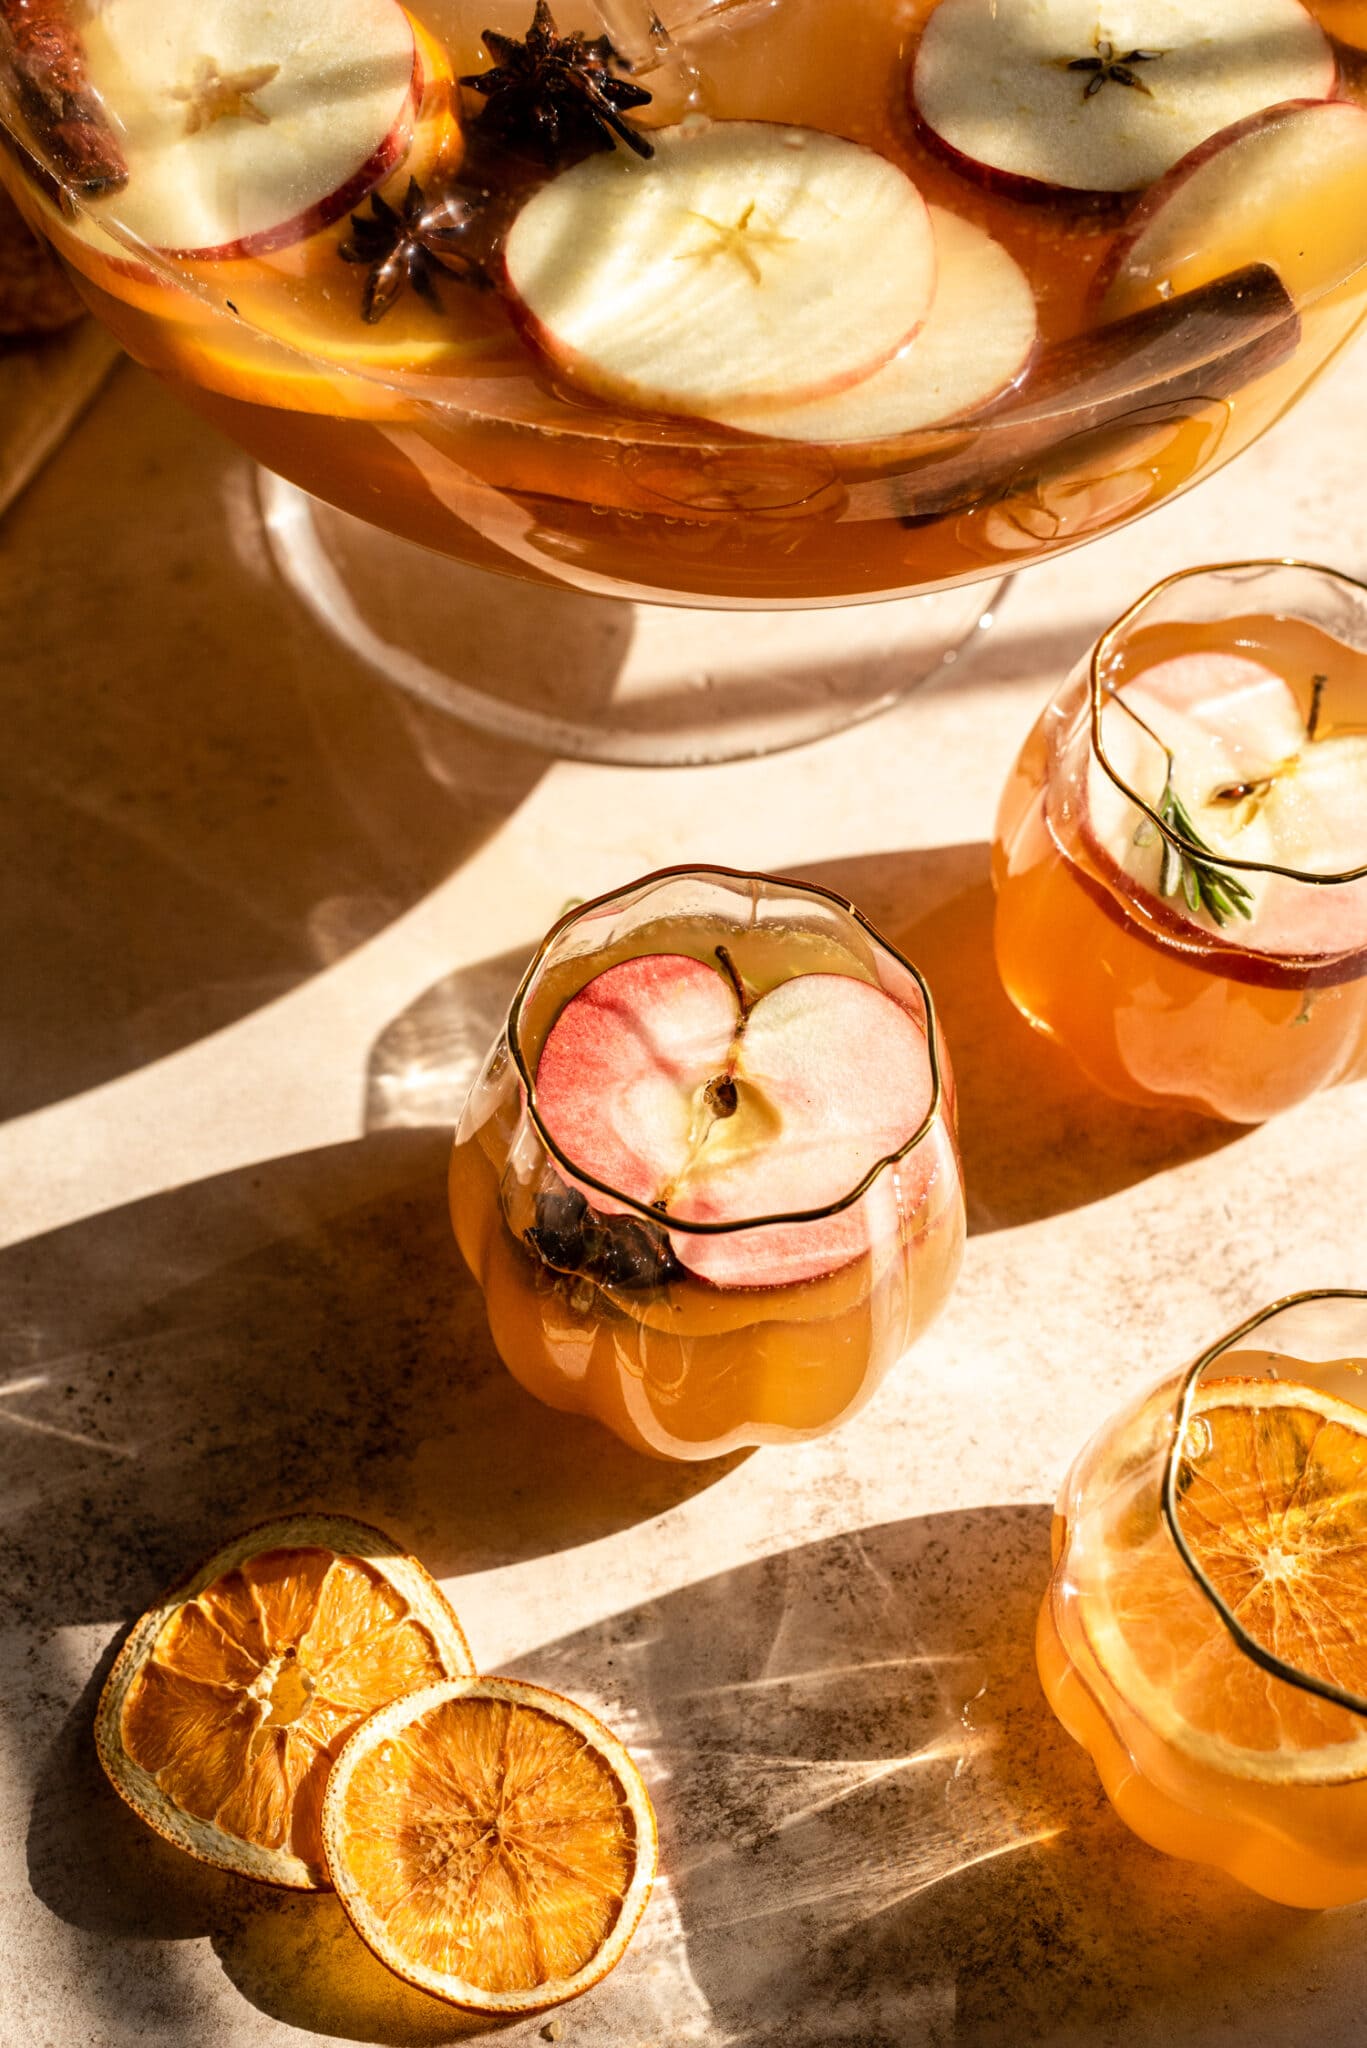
(1256, 787)
(1288, 187)
(654, 1080)
(977, 339)
(1061, 96)
(748, 264)
(250, 124)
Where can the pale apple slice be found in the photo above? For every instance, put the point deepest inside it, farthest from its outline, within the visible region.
(1255, 786)
(977, 339)
(250, 124)
(655, 1080)
(1287, 187)
(304, 296)
(743, 265)
(1055, 96)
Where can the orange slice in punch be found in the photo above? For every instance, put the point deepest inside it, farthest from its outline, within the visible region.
(1272, 1500)
(492, 1843)
(231, 1697)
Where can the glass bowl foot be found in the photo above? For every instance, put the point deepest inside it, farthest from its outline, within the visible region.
(596, 678)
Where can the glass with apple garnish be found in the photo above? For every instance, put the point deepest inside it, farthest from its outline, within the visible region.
(708, 1179)
(1202, 1633)
(773, 305)
(1181, 851)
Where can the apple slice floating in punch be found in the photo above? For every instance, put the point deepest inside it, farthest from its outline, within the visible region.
(977, 339)
(655, 1079)
(742, 265)
(1287, 187)
(250, 124)
(1254, 784)
(1053, 97)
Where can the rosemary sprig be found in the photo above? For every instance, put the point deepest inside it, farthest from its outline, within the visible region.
(1202, 882)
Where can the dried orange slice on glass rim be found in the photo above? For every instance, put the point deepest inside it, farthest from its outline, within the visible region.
(1272, 1501)
(491, 1842)
(228, 1702)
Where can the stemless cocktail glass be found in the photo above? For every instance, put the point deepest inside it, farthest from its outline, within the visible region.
(1203, 1635)
(696, 1323)
(810, 308)
(1221, 967)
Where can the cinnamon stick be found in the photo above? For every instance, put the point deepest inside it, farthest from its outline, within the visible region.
(42, 52)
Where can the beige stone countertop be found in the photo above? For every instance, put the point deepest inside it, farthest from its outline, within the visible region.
(258, 914)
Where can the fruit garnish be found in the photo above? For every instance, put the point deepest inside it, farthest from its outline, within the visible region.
(976, 342)
(669, 1082)
(491, 1842)
(1272, 1501)
(415, 243)
(1048, 98)
(557, 96)
(35, 297)
(248, 125)
(231, 1697)
(1246, 197)
(745, 264)
(1221, 748)
(41, 50)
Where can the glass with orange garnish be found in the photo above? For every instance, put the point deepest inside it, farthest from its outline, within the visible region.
(1181, 850)
(749, 305)
(708, 1178)
(1204, 1635)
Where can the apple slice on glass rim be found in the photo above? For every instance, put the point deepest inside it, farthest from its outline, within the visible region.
(1287, 188)
(250, 124)
(1219, 746)
(976, 342)
(1043, 98)
(744, 264)
(665, 1078)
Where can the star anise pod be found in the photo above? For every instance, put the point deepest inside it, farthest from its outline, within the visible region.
(557, 95)
(414, 244)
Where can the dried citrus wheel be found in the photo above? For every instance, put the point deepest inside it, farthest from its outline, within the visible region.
(1272, 1500)
(492, 1843)
(231, 1697)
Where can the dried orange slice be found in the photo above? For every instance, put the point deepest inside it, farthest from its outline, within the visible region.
(1272, 1500)
(493, 1844)
(231, 1697)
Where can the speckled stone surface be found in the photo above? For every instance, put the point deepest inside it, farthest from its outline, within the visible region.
(257, 915)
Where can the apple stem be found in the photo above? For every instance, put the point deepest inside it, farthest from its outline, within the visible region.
(1317, 688)
(733, 975)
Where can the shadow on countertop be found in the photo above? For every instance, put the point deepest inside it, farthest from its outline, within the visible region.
(207, 799)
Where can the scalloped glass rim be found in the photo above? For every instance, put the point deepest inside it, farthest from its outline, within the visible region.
(661, 1218)
(1266, 1659)
(1100, 655)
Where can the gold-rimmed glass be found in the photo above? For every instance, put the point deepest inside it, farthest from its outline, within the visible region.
(1157, 1005)
(1159, 1641)
(677, 1365)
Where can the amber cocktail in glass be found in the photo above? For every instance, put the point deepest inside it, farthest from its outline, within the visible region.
(708, 1179)
(1181, 857)
(1203, 1635)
